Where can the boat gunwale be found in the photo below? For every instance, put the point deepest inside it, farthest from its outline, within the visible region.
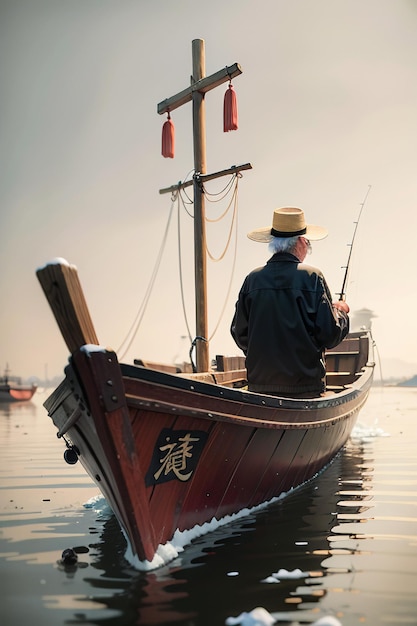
(268, 408)
(158, 406)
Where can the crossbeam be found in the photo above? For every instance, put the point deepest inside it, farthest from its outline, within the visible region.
(201, 86)
(205, 177)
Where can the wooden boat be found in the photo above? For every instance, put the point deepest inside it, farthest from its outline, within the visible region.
(13, 390)
(172, 450)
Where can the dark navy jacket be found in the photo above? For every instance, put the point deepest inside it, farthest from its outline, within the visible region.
(284, 320)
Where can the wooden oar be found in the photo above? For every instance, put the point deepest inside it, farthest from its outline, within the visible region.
(62, 288)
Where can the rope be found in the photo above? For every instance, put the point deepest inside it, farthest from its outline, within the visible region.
(184, 310)
(234, 202)
(233, 182)
(193, 345)
(224, 192)
(183, 193)
(235, 222)
(181, 198)
(142, 308)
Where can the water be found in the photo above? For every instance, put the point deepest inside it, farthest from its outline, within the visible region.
(352, 532)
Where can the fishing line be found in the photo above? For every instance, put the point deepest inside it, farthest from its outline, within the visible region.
(342, 293)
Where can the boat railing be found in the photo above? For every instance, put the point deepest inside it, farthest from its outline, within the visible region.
(345, 362)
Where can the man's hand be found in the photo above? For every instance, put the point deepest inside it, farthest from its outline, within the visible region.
(341, 305)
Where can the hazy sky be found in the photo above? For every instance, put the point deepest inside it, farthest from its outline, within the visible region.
(327, 106)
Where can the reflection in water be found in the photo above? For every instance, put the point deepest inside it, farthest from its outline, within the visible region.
(23, 409)
(352, 532)
(224, 571)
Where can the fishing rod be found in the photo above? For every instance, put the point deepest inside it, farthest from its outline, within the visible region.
(342, 294)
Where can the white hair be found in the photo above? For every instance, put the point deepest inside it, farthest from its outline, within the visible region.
(282, 244)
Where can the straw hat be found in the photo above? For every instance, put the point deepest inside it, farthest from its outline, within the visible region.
(288, 222)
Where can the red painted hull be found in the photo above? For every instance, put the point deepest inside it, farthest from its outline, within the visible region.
(169, 452)
(16, 393)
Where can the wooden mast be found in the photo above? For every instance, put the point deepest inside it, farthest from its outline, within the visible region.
(200, 260)
(200, 84)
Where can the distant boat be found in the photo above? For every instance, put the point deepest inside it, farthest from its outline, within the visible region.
(13, 390)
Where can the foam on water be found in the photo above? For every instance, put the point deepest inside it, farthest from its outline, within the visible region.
(170, 550)
(366, 433)
(261, 617)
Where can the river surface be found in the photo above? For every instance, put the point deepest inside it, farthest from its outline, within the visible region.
(346, 543)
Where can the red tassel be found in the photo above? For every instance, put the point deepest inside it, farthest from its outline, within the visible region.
(168, 138)
(230, 110)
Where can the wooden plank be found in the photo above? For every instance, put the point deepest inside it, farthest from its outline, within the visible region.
(226, 445)
(339, 378)
(364, 351)
(342, 362)
(226, 363)
(279, 471)
(231, 378)
(349, 344)
(348, 362)
(242, 490)
(160, 367)
(62, 288)
(220, 378)
(309, 453)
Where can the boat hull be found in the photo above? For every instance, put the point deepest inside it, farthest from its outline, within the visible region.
(16, 393)
(171, 452)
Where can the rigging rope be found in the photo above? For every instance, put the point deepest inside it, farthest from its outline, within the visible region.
(178, 198)
(233, 201)
(184, 310)
(235, 223)
(223, 193)
(142, 308)
(233, 183)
